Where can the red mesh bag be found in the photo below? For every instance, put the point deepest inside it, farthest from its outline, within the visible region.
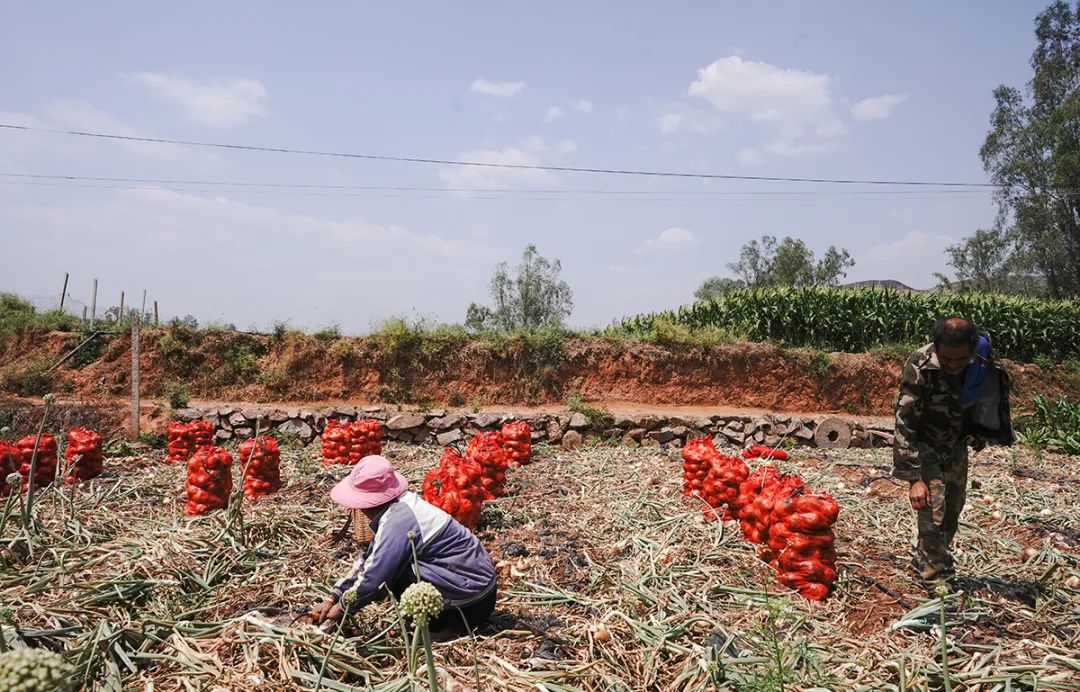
(179, 442)
(802, 540)
(756, 497)
(485, 450)
(336, 443)
(697, 458)
(8, 465)
(365, 438)
(262, 458)
(83, 454)
(202, 432)
(765, 452)
(454, 485)
(45, 471)
(209, 480)
(517, 441)
(721, 487)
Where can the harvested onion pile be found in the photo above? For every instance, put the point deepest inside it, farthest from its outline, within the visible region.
(454, 486)
(209, 480)
(262, 457)
(179, 442)
(335, 443)
(83, 453)
(365, 438)
(517, 441)
(8, 465)
(45, 471)
(485, 449)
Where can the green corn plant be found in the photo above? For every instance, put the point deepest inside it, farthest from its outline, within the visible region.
(858, 319)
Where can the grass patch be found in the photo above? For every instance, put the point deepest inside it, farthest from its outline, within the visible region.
(598, 417)
(18, 316)
(27, 379)
(177, 395)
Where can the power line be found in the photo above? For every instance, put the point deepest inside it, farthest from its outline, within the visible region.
(627, 197)
(482, 164)
(536, 191)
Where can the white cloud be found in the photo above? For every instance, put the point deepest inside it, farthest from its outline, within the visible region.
(911, 259)
(558, 112)
(670, 240)
(877, 107)
(489, 88)
(679, 118)
(220, 101)
(763, 92)
(582, 106)
(798, 106)
(750, 157)
(531, 151)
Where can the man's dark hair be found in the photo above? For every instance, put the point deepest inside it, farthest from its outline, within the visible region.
(956, 331)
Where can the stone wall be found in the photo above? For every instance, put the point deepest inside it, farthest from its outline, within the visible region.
(569, 429)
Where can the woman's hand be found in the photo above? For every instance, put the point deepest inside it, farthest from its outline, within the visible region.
(327, 610)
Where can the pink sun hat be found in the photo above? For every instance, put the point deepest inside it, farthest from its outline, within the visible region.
(372, 482)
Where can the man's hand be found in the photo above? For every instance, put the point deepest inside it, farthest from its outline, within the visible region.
(919, 494)
(325, 610)
(977, 444)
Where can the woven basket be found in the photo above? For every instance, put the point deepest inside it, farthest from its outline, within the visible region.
(361, 529)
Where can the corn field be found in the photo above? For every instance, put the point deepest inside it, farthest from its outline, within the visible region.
(858, 319)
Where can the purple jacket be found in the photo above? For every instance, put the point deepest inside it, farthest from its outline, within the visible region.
(449, 555)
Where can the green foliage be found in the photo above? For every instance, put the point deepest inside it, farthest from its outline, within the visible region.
(177, 395)
(1032, 154)
(856, 320)
(118, 448)
(717, 286)
(285, 438)
(176, 350)
(239, 359)
(536, 296)
(17, 316)
(765, 262)
(27, 379)
(820, 366)
(152, 440)
(1053, 424)
(279, 330)
(89, 353)
(329, 333)
(598, 417)
(343, 351)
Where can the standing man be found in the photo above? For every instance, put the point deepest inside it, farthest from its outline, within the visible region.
(952, 395)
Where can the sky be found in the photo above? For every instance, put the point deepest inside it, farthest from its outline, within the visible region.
(853, 90)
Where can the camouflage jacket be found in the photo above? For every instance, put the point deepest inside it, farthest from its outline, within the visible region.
(929, 420)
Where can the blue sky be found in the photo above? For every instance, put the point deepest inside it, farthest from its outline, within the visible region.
(795, 89)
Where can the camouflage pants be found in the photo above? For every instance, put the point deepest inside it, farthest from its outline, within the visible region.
(937, 524)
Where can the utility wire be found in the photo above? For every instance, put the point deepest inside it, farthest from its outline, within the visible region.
(481, 164)
(389, 194)
(537, 191)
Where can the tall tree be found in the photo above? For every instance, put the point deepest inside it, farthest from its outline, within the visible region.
(765, 262)
(535, 296)
(1032, 154)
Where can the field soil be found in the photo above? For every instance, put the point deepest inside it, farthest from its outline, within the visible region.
(609, 579)
(231, 366)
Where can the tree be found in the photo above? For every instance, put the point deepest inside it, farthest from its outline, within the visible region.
(716, 286)
(790, 262)
(534, 297)
(1032, 154)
